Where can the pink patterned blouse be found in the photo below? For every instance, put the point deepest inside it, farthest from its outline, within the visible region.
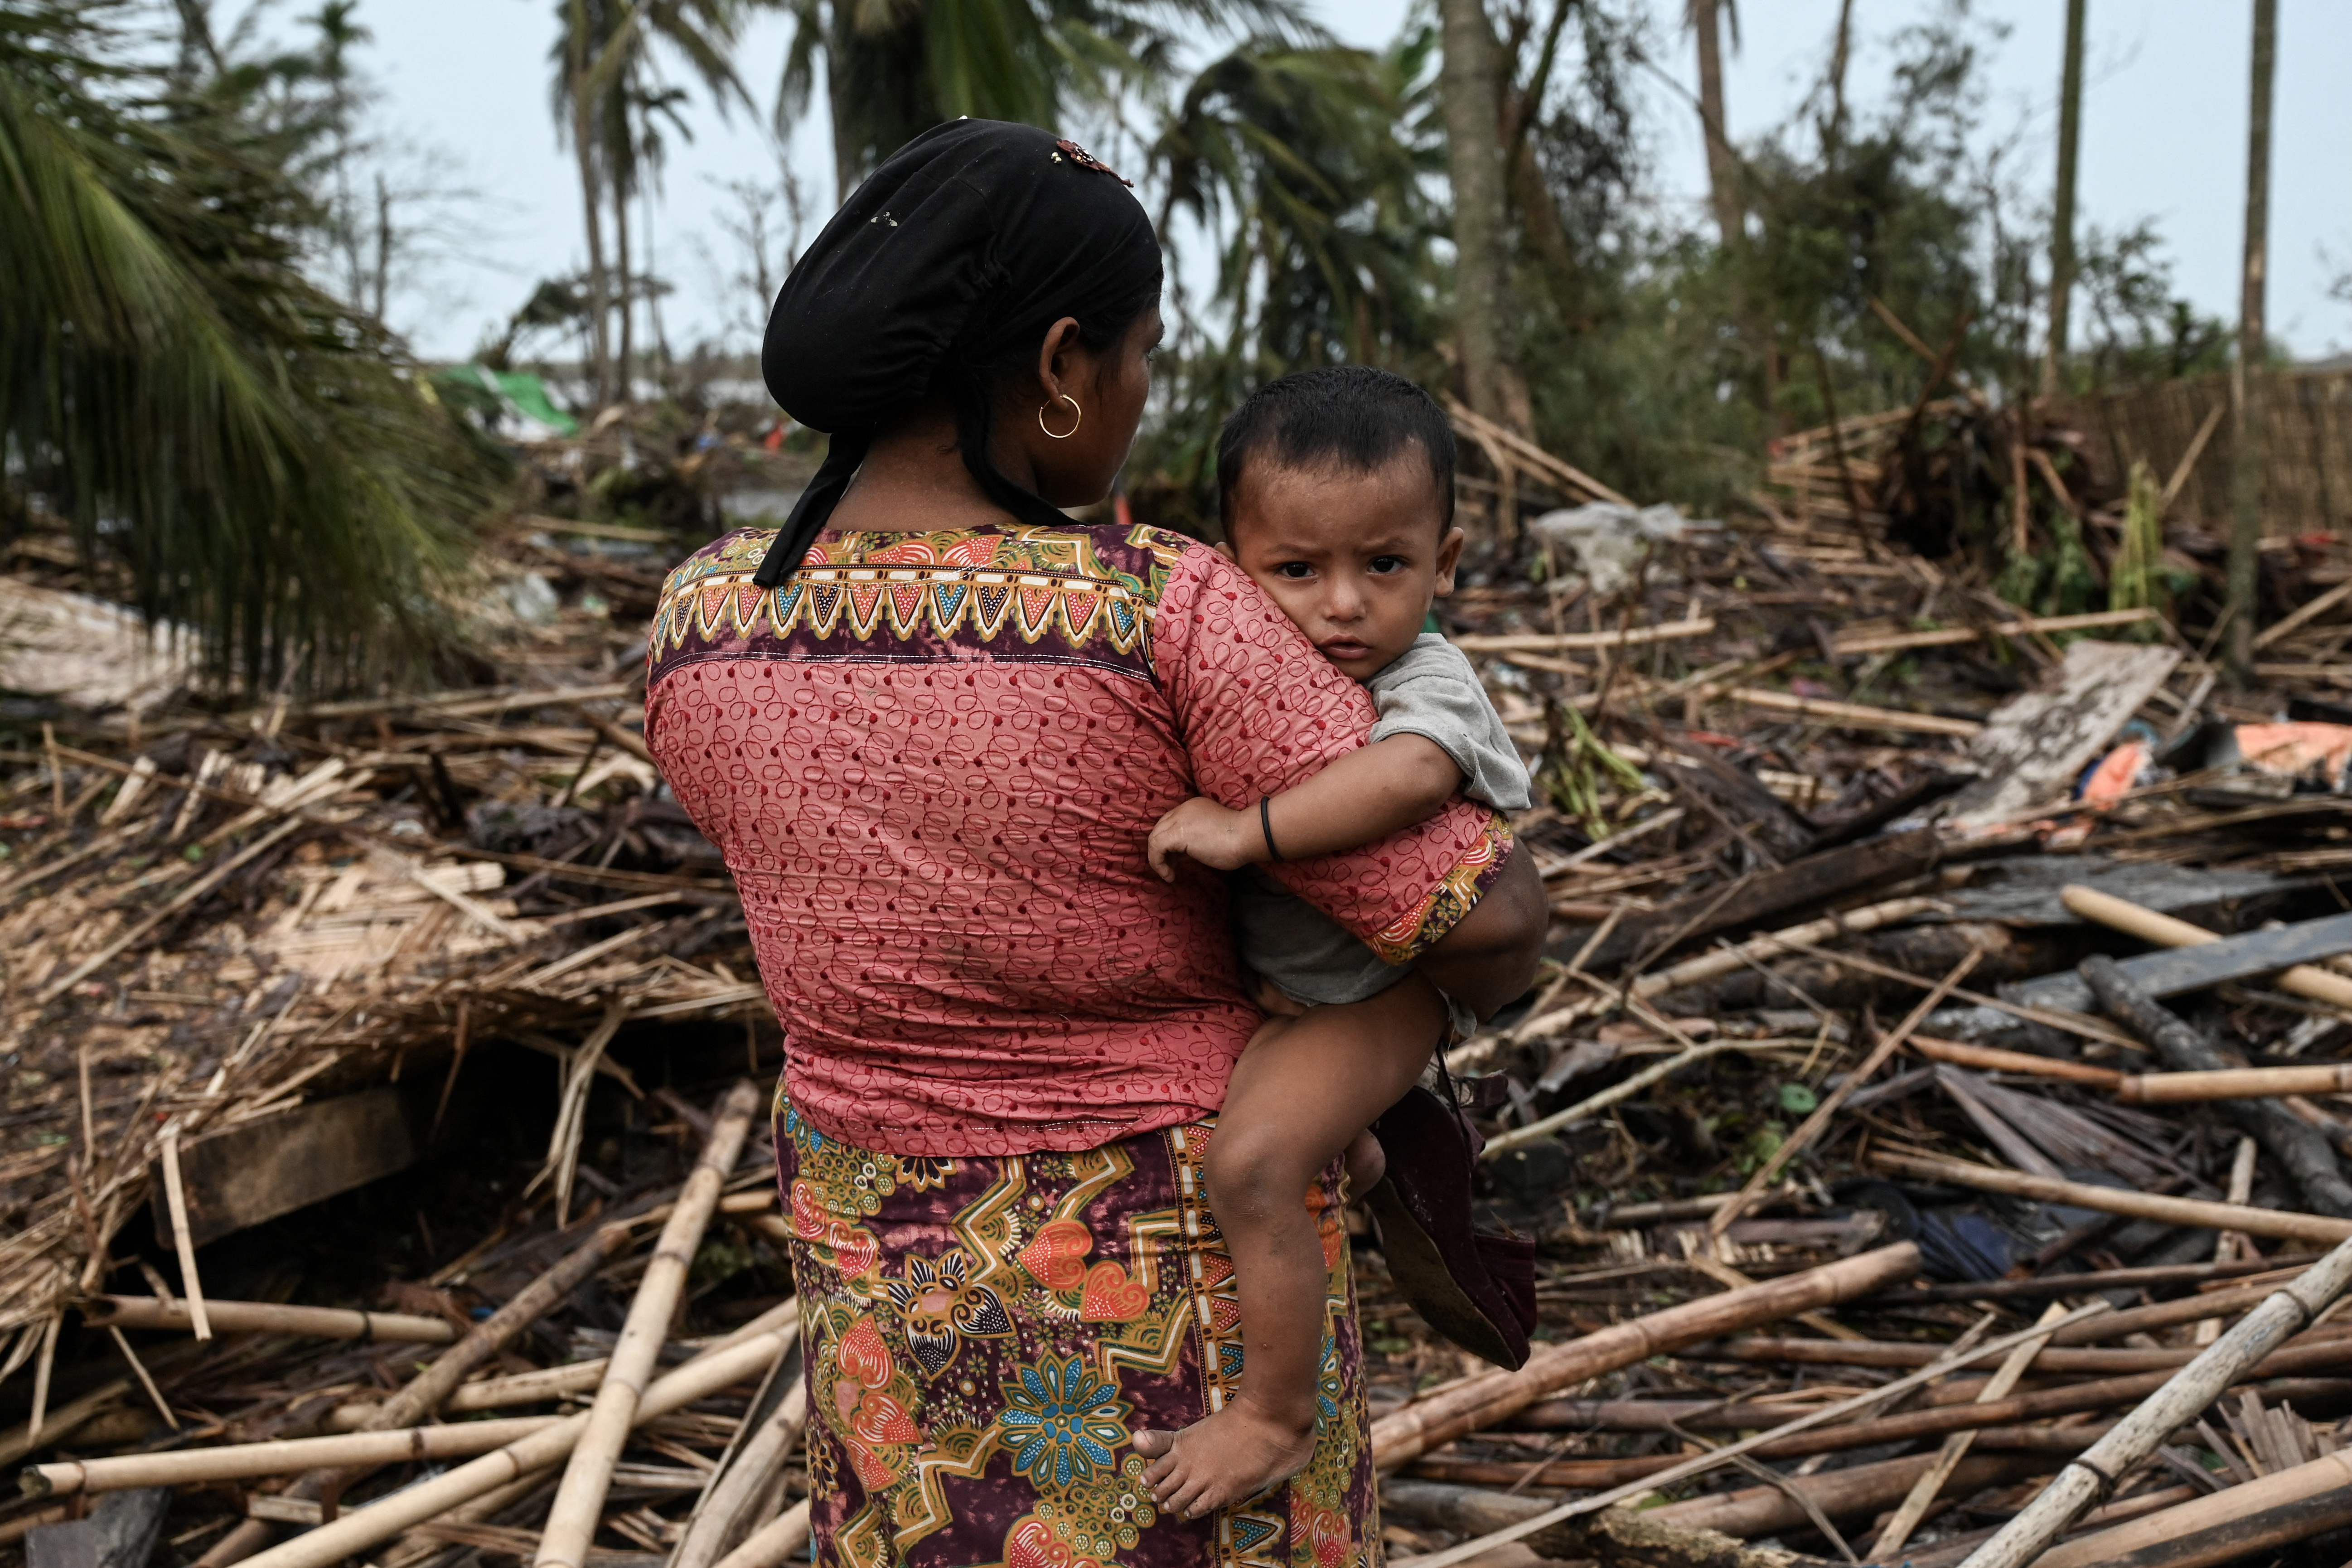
(931, 760)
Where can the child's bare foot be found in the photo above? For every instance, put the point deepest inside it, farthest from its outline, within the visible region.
(1367, 1163)
(1228, 1458)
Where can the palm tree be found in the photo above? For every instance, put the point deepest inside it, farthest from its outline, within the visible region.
(894, 71)
(1307, 164)
(2061, 223)
(275, 478)
(606, 72)
(1295, 157)
(2246, 380)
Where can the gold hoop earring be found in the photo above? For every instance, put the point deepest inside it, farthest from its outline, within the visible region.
(1079, 418)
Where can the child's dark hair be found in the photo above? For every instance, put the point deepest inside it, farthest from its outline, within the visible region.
(1350, 416)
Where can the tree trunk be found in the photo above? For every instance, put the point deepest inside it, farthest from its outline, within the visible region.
(197, 50)
(1722, 169)
(845, 155)
(1531, 199)
(1841, 52)
(2062, 238)
(1472, 82)
(624, 364)
(2245, 383)
(592, 202)
(382, 281)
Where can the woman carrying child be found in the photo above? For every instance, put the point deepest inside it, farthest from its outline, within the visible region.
(931, 723)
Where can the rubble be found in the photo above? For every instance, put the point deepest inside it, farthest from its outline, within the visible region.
(1941, 1056)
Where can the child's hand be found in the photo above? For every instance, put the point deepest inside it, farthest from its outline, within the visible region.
(1202, 830)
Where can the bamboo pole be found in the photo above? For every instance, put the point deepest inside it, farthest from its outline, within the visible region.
(266, 1318)
(175, 1204)
(425, 1393)
(2280, 1225)
(1549, 642)
(731, 1362)
(413, 1547)
(282, 1457)
(490, 1394)
(429, 1389)
(2087, 1478)
(2164, 931)
(2233, 1083)
(1930, 1484)
(2099, 1361)
(580, 1498)
(773, 1543)
(749, 1472)
(2295, 1143)
(1726, 960)
(2285, 1265)
(1850, 645)
(1863, 1489)
(1701, 1463)
(1857, 1491)
(1854, 715)
(62, 1423)
(287, 1455)
(2016, 1414)
(1482, 1399)
(1988, 1058)
(2286, 1506)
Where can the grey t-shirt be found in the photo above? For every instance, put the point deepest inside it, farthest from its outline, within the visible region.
(1430, 690)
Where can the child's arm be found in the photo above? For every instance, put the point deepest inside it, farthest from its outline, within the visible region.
(1360, 799)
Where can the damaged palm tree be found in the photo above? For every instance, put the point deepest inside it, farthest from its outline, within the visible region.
(272, 471)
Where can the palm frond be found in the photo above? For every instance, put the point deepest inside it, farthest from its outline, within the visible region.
(277, 479)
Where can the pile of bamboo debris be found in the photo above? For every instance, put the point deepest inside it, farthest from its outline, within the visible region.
(1932, 1114)
(256, 912)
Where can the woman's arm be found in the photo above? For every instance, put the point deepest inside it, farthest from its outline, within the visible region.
(1362, 798)
(1259, 711)
(1488, 960)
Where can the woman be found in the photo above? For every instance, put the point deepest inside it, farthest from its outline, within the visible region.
(931, 723)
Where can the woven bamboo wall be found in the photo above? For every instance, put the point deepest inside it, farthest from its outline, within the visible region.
(2307, 446)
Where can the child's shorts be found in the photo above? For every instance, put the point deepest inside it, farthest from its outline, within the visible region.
(1308, 956)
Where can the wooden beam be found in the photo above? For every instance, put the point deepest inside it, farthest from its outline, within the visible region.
(260, 1170)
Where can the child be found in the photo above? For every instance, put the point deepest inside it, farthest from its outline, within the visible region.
(1337, 493)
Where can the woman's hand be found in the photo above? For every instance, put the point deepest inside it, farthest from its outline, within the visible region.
(1202, 830)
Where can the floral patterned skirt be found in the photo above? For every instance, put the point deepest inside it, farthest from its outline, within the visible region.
(983, 1335)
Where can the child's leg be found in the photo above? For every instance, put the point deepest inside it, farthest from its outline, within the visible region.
(1304, 1090)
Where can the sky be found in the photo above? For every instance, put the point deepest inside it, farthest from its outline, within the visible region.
(2163, 140)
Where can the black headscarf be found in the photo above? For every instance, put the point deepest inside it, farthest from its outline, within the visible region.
(953, 256)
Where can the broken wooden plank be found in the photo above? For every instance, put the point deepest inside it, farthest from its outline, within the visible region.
(275, 1165)
(2173, 971)
(2035, 745)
